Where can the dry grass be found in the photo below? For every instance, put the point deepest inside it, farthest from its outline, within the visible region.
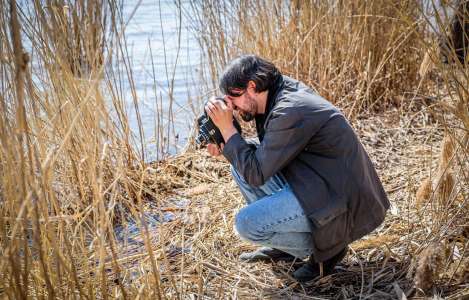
(359, 55)
(198, 191)
(83, 217)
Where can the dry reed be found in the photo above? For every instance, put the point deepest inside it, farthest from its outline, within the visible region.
(70, 174)
(360, 55)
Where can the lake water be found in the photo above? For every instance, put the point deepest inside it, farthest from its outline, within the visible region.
(166, 64)
(160, 42)
(156, 25)
(168, 70)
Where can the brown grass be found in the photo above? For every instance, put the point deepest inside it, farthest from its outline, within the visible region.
(429, 267)
(70, 177)
(361, 56)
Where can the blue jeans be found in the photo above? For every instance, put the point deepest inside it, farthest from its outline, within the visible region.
(273, 217)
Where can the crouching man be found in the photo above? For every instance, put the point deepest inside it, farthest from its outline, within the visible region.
(309, 184)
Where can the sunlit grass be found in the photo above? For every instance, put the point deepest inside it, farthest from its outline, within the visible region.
(71, 171)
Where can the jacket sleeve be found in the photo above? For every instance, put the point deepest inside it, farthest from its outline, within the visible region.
(286, 135)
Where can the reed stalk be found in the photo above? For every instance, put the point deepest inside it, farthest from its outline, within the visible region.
(360, 55)
(72, 171)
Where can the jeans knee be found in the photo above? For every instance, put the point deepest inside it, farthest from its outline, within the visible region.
(247, 228)
(242, 227)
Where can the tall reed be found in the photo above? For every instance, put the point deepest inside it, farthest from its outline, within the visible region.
(67, 160)
(359, 54)
(69, 168)
(446, 200)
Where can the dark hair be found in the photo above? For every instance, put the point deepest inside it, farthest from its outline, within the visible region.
(247, 68)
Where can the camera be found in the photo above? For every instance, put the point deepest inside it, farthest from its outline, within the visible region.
(208, 132)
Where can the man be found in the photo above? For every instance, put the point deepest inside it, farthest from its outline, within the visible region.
(310, 187)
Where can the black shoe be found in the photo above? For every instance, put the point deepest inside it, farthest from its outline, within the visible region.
(311, 269)
(266, 254)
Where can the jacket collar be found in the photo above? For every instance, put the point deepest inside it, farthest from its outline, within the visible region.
(273, 93)
(270, 103)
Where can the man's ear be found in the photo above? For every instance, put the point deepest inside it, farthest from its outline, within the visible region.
(252, 85)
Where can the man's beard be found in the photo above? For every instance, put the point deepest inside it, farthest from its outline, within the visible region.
(248, 116)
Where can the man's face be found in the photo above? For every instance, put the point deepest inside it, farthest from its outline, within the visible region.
(243, 102)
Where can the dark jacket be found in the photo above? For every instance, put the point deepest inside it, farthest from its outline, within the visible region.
(310, 142)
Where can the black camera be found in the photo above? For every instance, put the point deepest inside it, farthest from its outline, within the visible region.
(208, 132)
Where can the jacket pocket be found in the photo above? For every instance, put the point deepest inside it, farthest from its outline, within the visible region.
(328, 237)
(330, 225)
(328, 213)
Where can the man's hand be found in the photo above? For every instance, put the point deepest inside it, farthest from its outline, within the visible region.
(220, 113)
(222, 116)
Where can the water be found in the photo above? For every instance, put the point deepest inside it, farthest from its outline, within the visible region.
(166, 63)
(156, 25)
(176, 57)
(159, 40)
